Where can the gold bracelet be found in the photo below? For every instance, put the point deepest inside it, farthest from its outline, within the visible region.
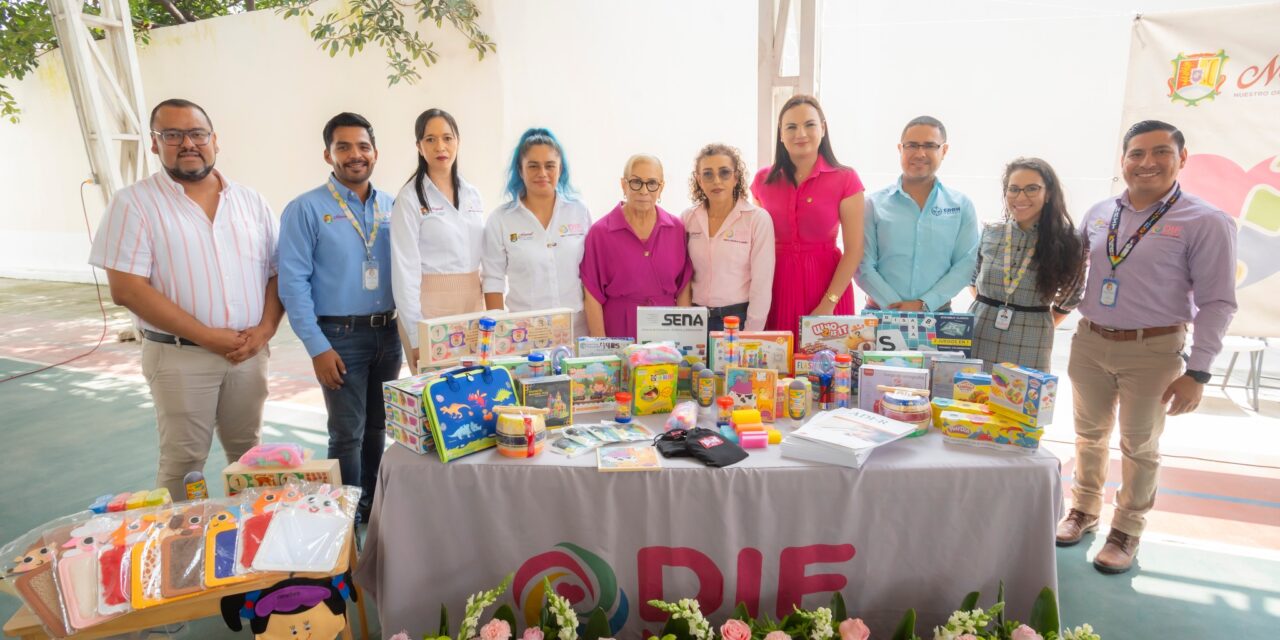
(835, 299)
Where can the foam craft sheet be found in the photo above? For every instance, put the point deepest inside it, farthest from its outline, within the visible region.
(238, 477)
(595, 380)
(306, 535)
(872, 376)
(220, 537)
(839, 334)
(759, 350)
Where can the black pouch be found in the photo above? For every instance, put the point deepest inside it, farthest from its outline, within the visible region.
(712, 448)
(672, 444)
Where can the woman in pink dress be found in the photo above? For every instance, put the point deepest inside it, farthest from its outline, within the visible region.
(811, 197)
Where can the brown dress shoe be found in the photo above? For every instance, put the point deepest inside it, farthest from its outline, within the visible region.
(1118, 554)
(1074, 526)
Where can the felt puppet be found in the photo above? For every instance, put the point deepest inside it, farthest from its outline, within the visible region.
(294, 608)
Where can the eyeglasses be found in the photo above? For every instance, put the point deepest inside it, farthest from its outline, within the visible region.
(637, 183)
(725, 174)
(173, 137)
(1031, 190)
(916, 146)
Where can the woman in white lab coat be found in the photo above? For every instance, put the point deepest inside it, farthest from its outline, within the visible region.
(533, 244)
(436, 234)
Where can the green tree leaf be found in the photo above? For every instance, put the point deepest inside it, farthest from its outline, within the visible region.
(597, 625)
(838, 614)
(907, 627)
(970, 601)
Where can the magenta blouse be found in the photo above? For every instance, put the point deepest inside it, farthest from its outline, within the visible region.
(622, 273)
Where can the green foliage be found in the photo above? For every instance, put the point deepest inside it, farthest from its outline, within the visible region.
(676, 628)
(907, 627)
(505, 612)
(970, 601)
(837, 607)
(597, 625)
(444, 620)
(27, 33)
(358, 23)
(1044, 613)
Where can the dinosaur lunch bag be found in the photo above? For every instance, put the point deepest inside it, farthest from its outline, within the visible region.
(460, 409)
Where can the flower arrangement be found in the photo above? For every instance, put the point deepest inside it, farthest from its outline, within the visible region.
(558, 621)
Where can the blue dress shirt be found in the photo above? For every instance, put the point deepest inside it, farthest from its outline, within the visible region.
(321, 259)
(911, 253)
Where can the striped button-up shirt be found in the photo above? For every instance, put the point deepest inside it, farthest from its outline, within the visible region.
(217, 270)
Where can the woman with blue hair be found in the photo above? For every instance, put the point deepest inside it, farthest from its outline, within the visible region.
(534, 242)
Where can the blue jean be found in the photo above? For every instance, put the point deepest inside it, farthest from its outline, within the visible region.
(357, 424)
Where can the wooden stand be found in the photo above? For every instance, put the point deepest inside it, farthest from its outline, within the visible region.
(25, 625)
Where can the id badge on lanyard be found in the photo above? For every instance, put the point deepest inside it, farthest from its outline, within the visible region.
(369, 270)
(1109, 294)
(1004, 318)
(1004, 315)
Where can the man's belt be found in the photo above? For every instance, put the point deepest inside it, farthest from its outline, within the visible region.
(1128, 335)
(376, 320)
(164, 338)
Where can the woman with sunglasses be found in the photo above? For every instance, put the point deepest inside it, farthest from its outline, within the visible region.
(812, 199)
(635, 255)
(436, 230)
(730, 242)
(1030, 269)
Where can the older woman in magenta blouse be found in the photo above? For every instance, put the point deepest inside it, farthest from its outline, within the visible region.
(635, 255)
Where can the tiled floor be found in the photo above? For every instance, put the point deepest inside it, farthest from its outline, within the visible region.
(1209, 566)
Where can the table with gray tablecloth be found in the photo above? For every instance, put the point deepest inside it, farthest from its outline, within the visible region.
(921, 524)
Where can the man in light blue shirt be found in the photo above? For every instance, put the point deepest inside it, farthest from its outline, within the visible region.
(921, 238)
(335, 282)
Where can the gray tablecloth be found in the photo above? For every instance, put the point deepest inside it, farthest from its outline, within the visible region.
(920, 525)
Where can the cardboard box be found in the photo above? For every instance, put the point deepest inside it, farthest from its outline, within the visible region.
(759, 350)
(990, 431)
(408, 420)
(972, 387)
(872, 376)
(553, 393)
(238, 477)
(590, 347)
(840, 334)
(653, 388)
(947, 404)
(686, 327)
(406, 393)
(924, 331)
(595, 381)
(415, 442)
(1024, 394)
(448, 339)
(908, 359)
(942, 373)
(753, 389)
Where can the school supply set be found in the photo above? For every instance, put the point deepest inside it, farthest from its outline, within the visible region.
(583, 438)
(449, 411)
(81, 570)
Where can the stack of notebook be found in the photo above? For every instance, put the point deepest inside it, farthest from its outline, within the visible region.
(843, 437)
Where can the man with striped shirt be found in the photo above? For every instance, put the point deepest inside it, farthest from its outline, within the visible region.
(193, 256)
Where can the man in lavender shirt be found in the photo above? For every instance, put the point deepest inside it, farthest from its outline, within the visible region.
(1159, 257)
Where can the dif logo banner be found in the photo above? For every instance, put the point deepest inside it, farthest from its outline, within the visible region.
(623, 587)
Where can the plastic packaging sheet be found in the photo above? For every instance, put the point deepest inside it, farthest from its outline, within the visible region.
(308, 534)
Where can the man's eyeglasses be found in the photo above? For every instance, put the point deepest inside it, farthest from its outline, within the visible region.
(1031, 190)
(636, 184)
(916, 146)
(173, 137)
(724, 174)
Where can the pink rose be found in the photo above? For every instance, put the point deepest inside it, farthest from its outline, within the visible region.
(496, 629)
(532, 633)
(967, 636)
(734, 629)
(777, 635)
(1023, 632)
(854, 629)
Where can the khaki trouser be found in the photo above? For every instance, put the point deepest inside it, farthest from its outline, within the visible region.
(442, 294)
(197, 392)
(1134, 376)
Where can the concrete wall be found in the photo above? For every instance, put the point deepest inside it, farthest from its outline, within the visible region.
(612, 79)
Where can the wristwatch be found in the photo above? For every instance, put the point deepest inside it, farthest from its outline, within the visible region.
(1199, 376)
(835, 299)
